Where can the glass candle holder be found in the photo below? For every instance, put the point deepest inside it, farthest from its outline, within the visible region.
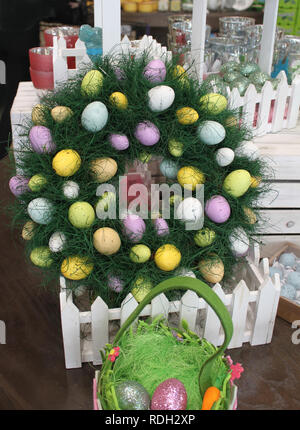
(224, 49)
(234, 25)
(41, 59)
(42, 80)
(70, 34)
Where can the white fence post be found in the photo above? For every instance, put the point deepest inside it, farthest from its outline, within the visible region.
(268, 35)
(160, 306)
(239, 306)
(293, 111)
(249, 105)
(128, 305)
(189, 305)
(213, 324)
(100, 321)
(280, 104)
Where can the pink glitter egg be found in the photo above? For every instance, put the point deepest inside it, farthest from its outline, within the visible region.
(115, 283)
(134, 227)
(147, 133)
(161, 227)
(41, 140)
(18, 185)
(217, 209)
(155, 71)
(119, 141)
(170, 395)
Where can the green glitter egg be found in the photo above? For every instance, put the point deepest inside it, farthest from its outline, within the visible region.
(231, 76)
(247, 68)
(132, 396)
(259, 78)
(231, 65)
(241, 84)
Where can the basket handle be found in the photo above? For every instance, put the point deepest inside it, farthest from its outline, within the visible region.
(204, 291)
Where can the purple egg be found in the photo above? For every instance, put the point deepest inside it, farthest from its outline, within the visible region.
(170, 395)
(134, 227)
(115, 283)
(161, 227)
(119, 141)
(18, 185)
(41, 139)
(147, 133)
(217, 209)
(119, 74)
(155, 71)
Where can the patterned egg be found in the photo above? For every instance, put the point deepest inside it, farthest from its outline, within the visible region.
(57, 241)
(115, 283)
(18, 185)
(213, 103)
(180, 74)
(155, 71)
(259, 78)
(144, 156)
(247, 68)
(70, 190)
(231, 76)
(140, 254)
(38, 114)
(217, 209)
(119, 100)
(224, 156)
(170, 395)
(189, 210)
(66, 162)
(132, 396)
(41, 140)
(204, 237)
(276, 269)
(231, 121)
(211, 268)
(239, 242)
(230, 65)
(147, 133)
(28, 230)
(119, 141)
(241, 84)
(211, 132)
(187, 116)
(107, 241)
(103, 169)
(76, 268)
(120, 75)
(247, 149)
(94, 116)
(41, 210)
(37, 182)
(189, 177)
(161, 227)
(255, 181)
(134, 227)
(160, 98)
(140, 288)
(41, 256)
(81, 214)
(237, 183)
(61, 113)
(167, 257)
(92, 83)
(168, 168)
(175, 147)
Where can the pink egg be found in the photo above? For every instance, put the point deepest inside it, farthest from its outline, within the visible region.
(115, 283)
(134, 227)
(147, 133)
(18, 185)
(41, 139)
(155, 71)
(217, 209)
(119, 141)
(120, 75)
(161, 227)
(170, 395)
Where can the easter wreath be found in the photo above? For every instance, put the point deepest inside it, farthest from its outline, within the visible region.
(88, 132)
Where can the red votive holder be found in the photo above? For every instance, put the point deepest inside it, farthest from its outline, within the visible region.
(41, 59)
(42, 80)
(70, 34)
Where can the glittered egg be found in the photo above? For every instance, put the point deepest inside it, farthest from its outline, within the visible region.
(147, 133)
(92, 83)
(224, 156)
(57, 241)
(170, 395)
(211, 268)
(217, 209)
(231, 75)
(41, 210)
(61, 113)
(140, 254)
(213, 103)
(66, 162)
(167, 257)
(239, 242)
(37, 182)
(155, 71)
(115, 283)
(294, 279)
(38, 114)
(247, 68)
(237, 183)
(288, 291)
(230, 65)
(28, 230)
(18, 185)
(81, 214)
(134, 227)
(187, 116)
(41, 140)
(204, 237)
(140, 288)
(241, 84)
(259, 78)
(94, 117)
(247, 149)
(161, 227)
(132, 396)
(175, 147)
(160, 98)
(41, 256)
(118, 100)
(189, 210)
(70, 190)
(107, 241)
(189, 177)
(211, 132)
(288, 259)
(119, 141)
(168, 168)
(76, 268)
(103, 169)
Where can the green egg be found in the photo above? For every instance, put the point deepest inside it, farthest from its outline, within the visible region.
(204, 237)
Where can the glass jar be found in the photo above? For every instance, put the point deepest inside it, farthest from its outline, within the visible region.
(234, 25)
(254, 36)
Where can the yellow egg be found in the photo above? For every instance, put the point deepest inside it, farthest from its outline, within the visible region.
(28, 230)
(103, 169)
(175, 148)
(37, 182)
(231, 121)
(92, 83)
(145, 157)
(140, 254)
(175, 199)
(237, 183)
(211, 268)
(213, 103)
(167, 257)
(81, 214)
(41, 256)
(61, 113)
(38, 114)
(141, 288)
(119, 100)
(250, 215)
(255, 181)
(76, 268)
(189, 177)
(178, 71)
(107, 241)
(187, 116)
(66, 162)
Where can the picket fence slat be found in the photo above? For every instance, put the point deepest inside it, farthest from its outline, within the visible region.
(99, 311)
(240, 302)
(128, 305)
(249, 105)
(189, 308)
(213, 324)
(267, 94)
(280, 104)
(160, 306)
(293, 111)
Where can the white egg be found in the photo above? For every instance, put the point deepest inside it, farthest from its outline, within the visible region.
(247, 149)
(79, 291)
(71, 189)
(224, 156)
(189, 209)
(57, 241)
(239, 242)
(185, 272)
(161, 98)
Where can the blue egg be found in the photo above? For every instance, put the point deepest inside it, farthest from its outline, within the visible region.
(278, 270)
(94, 117)
(288, 291)
(169, 168)
(211, 132)
(40, 210)
(287, 259)
(298, 267)
(294, 279)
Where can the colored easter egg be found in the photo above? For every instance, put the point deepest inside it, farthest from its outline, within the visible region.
(255, 181)
(140, 288)
(179, 74)
(189, 177)
(107, 241)
(213, 103)
(18, 185)
(167, 257)
(168, 168)
(41, 210)
(231, 121)
(237, 183)
(288, 291)
(247, 149)
(231, 75)
(144, 156)
(94, 117)
(118, 100)
(132, 396)
(119, 141)
(61, 113)
(187, 116)
(37, 182)
(66, 162)
(155, 71)
(76, 268)
(92, 83)
(217, 209)
(120, 75)
(70, 190)
(211, 132)
(103, 169)
(175, 199)
(106, 205)
(294, 279)
(81, 214)
(115, 283)
(160, 98)
(211, 268)
(57, 241)
(276, 269)
(170, 395)
(41, 256)
(247, 68)
(204, 237)
(250, 215)
(175, 148)
(224, 156)
(41, 140)
(239, 242)
(28, 230)
(38, 114)
(189, 210)
(140, 254)
(134, 227)
(161, 227)
(147, 133)
(287, 259)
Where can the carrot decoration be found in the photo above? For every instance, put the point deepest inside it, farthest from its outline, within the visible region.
(211, 395)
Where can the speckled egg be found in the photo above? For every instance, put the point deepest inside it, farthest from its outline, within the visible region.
(147, 133)
(187, 116)
(41, 140)
(170, 395)
(70, 190)
(224, 156)
(155, 71)
(276, 269)
(161, 227)
(57, 241)
(175, 147)
(41, 210)
(66, 162)
(140, 254)
(61, 113)
(213, 103)
(118, 100)
(28, 230)
(189, 210)
(204, 237)
(140, 288)
(134, 227)
(38, 114)
(288, 259)
(239, 242)
(41, 256)
(211, 132)
(167, 257)
(92, 83)
(37, 182)
(189, 177)
(288, 291)
(237, 183)
(76, 268)
(132, 396)
(169, 168)
(103, 169)
(211, 268)
(217, 209)
(247, 149)
(81, 214)
(18, 185)
(119, 142)
(94, 116)
(107, 241)
(294, 279)
(247, 68)
(160, 98)
(115, 283)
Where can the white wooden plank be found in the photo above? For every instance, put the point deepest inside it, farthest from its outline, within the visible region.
(98, 13)
(280, 105)
(268, 35)
(198, 35)
(239, 305)
(189, 308)
(213, 324)
(281, 195)
(280, 221)
(269, 243)
(128, 305)
(160, 306)
(111, 24)
(99, 312)
(267, 94)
